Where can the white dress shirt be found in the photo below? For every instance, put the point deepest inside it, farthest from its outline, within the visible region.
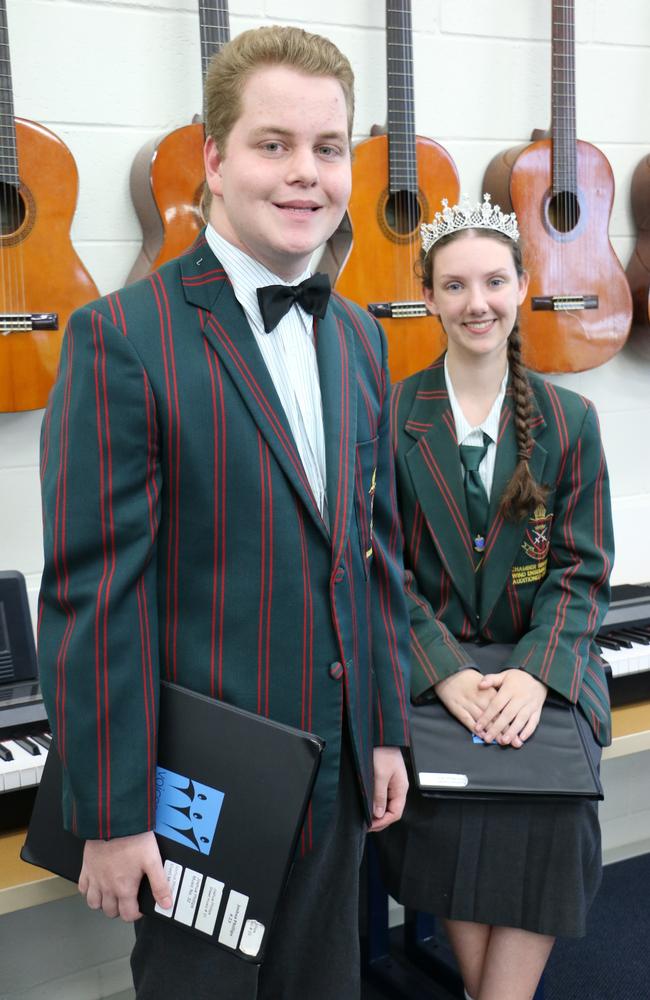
(466, 434)
(289, 353)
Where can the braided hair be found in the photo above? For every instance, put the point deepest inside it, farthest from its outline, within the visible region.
(522, 493)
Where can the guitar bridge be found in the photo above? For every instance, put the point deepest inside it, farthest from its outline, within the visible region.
(563, 303)
(26, 322)
(398, 310)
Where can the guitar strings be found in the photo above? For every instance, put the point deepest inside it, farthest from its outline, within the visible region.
(565, 156)
(412, 173)
(214, 25)
(574, 146)
(407, 205)
(12, 269)
(412, 197)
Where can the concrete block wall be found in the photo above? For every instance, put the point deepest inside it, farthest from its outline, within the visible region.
(108, 75)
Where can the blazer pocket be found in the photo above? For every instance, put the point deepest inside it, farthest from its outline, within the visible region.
(365, 479)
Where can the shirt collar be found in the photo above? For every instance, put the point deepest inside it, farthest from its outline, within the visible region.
(245, 273)
(491, 423)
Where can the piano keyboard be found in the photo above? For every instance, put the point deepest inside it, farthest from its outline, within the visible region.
(624, 642)
(626, 650)
(22, 760)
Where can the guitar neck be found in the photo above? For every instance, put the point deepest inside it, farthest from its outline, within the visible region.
(215, 29)
(563, 97)
(8, 157)
(403, 171)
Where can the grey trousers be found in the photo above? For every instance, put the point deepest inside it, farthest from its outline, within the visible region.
(313, 948)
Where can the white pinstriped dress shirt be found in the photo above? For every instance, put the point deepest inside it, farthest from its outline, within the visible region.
(466, 434)
(289, 353)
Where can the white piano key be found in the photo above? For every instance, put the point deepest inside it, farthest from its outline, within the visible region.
(618, 661)
(628, 661)
(23, 771)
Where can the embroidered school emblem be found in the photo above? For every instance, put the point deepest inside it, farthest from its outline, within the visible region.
(538, 534)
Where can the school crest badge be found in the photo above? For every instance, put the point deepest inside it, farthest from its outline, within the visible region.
(538, 534)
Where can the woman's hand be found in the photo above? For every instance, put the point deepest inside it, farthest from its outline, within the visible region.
(515, 709)
(463, 696)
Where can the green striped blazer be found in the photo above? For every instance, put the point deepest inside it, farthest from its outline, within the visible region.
(183, 541)
(545, 580)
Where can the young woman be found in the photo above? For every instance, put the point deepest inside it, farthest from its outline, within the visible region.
(505, 506)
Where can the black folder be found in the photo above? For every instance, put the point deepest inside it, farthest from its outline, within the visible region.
(559, 761)
(232, 790)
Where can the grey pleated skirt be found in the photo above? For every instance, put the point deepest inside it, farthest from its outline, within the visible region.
(532, 865)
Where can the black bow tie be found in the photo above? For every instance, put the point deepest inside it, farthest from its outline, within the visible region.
(276, 300)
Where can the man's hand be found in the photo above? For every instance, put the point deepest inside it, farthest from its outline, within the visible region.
(464, 696)
(391, 786)
(113, 869)
(514, 712)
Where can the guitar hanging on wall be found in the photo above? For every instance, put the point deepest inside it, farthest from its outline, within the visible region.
(398, 181)
(579, 309)
(42, 280)
(638, 269)
(167, 176)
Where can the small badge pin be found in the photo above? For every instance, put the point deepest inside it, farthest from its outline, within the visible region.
(479, 543)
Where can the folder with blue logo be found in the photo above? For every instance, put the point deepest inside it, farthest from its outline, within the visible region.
(232, 790)
(558, 762)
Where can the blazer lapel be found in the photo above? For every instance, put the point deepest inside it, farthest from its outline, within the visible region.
(338, 381)
(435, 470)
(225, 327)
(505, 537)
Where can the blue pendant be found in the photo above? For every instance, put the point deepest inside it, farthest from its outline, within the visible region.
(479, 543)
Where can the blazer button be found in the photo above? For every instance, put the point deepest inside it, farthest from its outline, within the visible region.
(336, 671)
(339, 576)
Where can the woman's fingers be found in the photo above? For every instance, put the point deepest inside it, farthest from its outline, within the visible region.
(491, 681)
(492, 712)
(530, 726)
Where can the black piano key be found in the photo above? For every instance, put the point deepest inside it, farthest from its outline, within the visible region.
(605, 643)
(5, 753)
(619, 637)
(42, 739)
(637, 637)
(28, 745)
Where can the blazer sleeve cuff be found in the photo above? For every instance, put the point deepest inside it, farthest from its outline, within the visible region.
(432, 661)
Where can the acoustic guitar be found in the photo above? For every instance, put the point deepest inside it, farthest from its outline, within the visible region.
(167, 176)
(42, 280)
(398, 181)
(579, 309)
(638, 269)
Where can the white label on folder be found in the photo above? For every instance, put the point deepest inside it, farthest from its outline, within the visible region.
(206, 918)
(233, 919)
(435, 779)
(188, 897)
(173, 871)
(251, 939)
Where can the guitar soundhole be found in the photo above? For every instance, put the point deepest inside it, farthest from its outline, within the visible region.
(12, 209)
(564, 211)
(402, 212)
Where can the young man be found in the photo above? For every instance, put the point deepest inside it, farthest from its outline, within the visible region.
(219, 510)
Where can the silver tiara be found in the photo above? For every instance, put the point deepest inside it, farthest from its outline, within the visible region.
(467, 216)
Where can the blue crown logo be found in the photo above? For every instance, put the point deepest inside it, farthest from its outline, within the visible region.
(186, 810)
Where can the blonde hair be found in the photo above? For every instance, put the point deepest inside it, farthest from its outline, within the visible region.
(273, 45)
